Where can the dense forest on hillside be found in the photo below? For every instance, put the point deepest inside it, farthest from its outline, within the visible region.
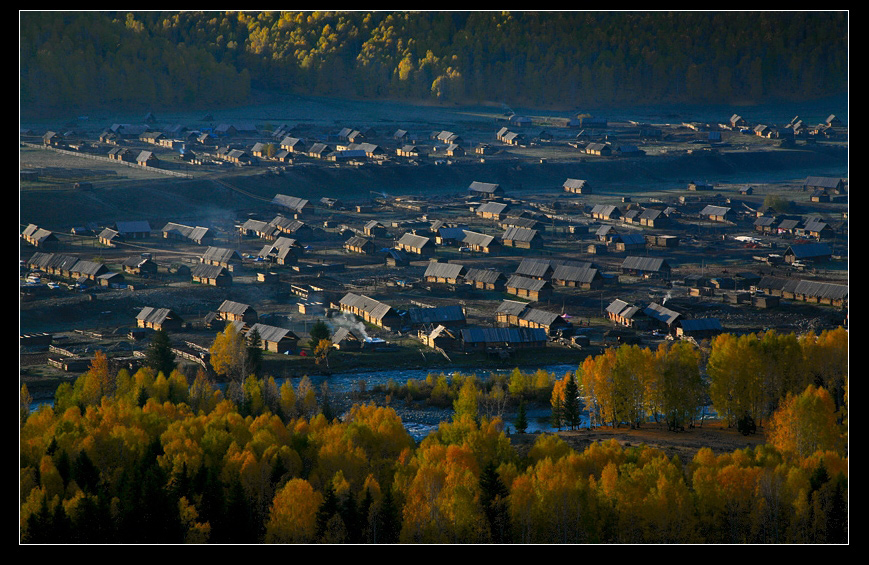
(547, 59)
(151, 458)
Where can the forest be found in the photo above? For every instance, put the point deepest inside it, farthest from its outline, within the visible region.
(564, 59)
(160, 457)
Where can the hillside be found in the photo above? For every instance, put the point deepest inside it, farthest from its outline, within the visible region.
(159, 60)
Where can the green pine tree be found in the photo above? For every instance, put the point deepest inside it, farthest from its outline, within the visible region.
(159, 355)
(521, 422)
(254, 360)
(571, 408)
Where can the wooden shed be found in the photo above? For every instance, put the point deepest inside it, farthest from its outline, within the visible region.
(502, 339)
(449, 273)
(273, 338)
(359, 244)
(577, 186)
(232, 311)
(533, 289)
(211, 275)
(158, 319)
(486, 279)
(522, 238)
(417, 244)
(370, 310)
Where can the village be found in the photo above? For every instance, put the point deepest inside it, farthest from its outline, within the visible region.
(493, 271)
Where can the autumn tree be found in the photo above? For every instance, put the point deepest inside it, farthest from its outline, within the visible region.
(322, 351)
(293, 514)
(735, 383)
(678, 386)
(306, 398)
(806, 423)
(229, 354)
(24, 400)
(466, 404)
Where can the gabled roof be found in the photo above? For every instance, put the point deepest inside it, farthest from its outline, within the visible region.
(712, 210)
(342, 334)
(535, 267)
(414, 241)
(375, 308)
(512, 307)
(807, 250)
(604, 210)
(235, 308)
(662, 314)
(108, 233)
(822, 290)
(189, 232)
(205, 271)
(88, 268)
(357, 241)
(815, 225)
(484, 187)
(644, 263)
(617, 306)
(575, 183)
(542, 317)
(788, 224)
(272, 334)
(151, 315)
(258, 226)
(514, 233)
(451, 233)
(478, 239)
(319, 148)
(492, 208)
(823, 182)
(632, 238)
(220, 254)
(576, 274)
(525, 283)
(287, 225)
(487, 276)
(135, 261)
(290, 202)
(596, 146)
(291, 142)
(651, 214)
(527, 223)
(444, 270)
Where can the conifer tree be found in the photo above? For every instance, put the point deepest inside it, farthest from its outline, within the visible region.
(254, 358)
(571, 406)
(493, 498)
(159, 355)
(521, 422)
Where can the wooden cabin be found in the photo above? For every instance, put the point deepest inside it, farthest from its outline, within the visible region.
(533, 289)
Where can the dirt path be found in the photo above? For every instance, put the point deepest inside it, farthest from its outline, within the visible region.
(685, 445)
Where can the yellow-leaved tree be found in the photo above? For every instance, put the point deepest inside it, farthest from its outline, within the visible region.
(293, 514)
(228, 353)
(807, 423)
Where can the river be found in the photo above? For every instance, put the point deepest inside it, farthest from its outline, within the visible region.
(418, 422)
